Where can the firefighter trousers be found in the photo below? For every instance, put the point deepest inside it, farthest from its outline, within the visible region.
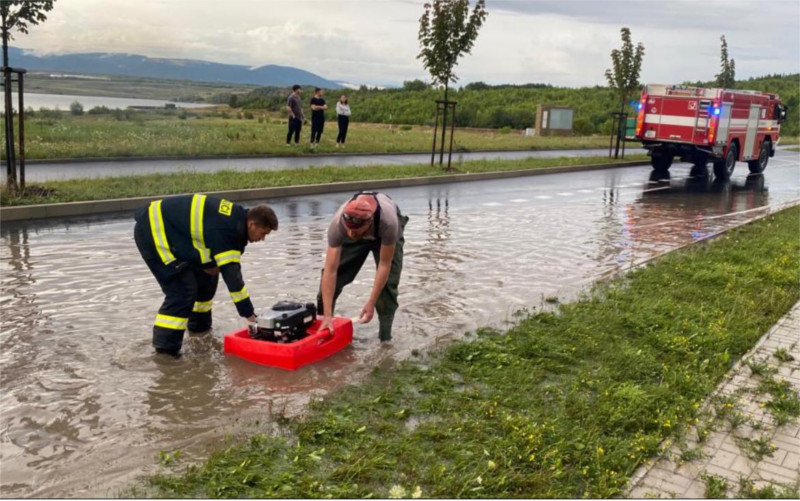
(188, 291)
(354, 254)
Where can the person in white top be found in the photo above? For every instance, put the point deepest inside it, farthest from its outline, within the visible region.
(343, 114)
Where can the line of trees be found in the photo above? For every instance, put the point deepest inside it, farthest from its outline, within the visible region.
(497, 106)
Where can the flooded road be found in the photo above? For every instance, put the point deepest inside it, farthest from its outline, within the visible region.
(85, 406)
(52, 171)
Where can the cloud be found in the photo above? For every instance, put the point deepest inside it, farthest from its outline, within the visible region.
(564, 42)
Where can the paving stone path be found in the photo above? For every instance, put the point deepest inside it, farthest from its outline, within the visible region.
(748, 442)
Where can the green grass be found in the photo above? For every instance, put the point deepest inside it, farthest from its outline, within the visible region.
(565, 404)
(169, 184)
(205, 133)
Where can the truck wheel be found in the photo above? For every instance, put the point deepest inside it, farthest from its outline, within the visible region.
(660, 162)
(724, 168)
(758, 165)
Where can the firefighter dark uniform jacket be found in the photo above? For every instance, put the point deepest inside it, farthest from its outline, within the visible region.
(202, 230)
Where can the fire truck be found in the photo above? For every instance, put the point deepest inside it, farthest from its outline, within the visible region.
(699, 125)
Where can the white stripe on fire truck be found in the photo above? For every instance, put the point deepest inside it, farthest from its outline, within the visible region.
(670, 120)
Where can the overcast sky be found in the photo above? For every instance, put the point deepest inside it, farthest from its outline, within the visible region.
(562, 42)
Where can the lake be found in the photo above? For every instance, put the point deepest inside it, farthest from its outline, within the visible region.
(62, 101)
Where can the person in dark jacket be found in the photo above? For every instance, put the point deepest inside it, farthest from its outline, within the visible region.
(187, 241)
(318, 108)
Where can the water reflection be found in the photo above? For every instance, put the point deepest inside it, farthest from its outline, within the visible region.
(667, 209)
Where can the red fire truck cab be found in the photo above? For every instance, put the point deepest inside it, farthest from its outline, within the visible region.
(700, 125)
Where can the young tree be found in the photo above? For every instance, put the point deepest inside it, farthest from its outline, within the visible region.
(627, 63)
(727, 73)
(623, 77)
(447, 30)
(16, 14)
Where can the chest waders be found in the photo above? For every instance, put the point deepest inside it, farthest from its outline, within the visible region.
(354, 254)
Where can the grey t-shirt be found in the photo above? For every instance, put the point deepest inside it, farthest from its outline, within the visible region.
(389, 231)
(294, 103)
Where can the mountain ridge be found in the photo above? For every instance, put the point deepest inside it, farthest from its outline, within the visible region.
(195, 70)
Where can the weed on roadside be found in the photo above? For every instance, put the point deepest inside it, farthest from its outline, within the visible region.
(716, 486)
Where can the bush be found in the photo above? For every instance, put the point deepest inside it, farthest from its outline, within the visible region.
(99, 110)
(120, 114)
(261, 120)
(405, 127)
(50, 114)
(582, 127)
(76, 108)
(505, 130)
(248, 115)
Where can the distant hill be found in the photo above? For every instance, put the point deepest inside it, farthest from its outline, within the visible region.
(172, 69)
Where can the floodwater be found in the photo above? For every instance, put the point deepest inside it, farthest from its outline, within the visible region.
(62, 102)
(86, 406)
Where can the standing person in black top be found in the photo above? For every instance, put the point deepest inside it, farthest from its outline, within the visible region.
(343, 115)
(296, 116)
(187, 241)
(318, 108)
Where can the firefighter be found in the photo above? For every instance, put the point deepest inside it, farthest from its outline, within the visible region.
(368, 223)
(186, 241)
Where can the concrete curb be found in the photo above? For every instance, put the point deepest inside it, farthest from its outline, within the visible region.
(69, 209)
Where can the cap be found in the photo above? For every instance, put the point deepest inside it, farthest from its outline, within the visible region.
(359, 211)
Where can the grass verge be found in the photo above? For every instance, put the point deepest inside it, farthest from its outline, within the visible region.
(224, 132)
(189, 182)
(564, 404)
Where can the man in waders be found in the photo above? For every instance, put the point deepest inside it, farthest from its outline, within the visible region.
(368, 223)
(187, 241)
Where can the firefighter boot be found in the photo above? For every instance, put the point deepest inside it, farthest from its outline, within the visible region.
(200, 321)
(168, 341)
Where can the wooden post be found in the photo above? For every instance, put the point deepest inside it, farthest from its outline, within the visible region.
(452, 130)
(435, 130)
(20, 92)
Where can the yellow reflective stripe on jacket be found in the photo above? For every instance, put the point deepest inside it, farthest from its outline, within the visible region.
(202, 306)
(196, 223)
(240, 296)
(170, 322)
(159, 233)
(227, 257)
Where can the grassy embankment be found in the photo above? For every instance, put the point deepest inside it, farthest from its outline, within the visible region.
(187, 182)
(52, 135)
(561, 405)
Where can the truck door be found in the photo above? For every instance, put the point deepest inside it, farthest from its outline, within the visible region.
(752, 132)
(678, 119)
